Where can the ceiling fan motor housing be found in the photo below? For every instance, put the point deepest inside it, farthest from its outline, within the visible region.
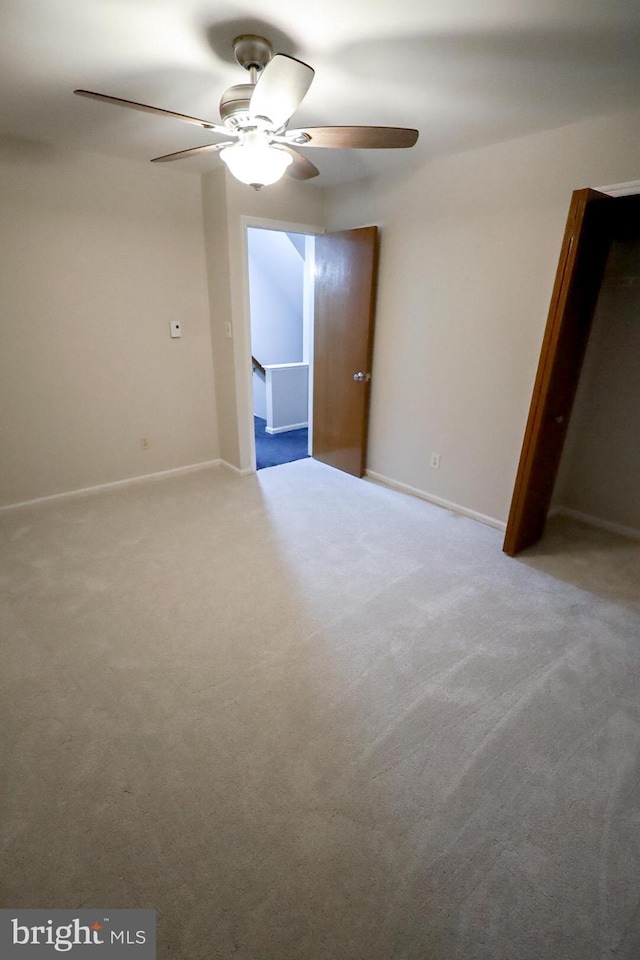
(234, 102)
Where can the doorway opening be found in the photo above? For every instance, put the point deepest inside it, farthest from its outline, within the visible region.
(595, 299)
(281, 295)
(339, 288)
(599, 472)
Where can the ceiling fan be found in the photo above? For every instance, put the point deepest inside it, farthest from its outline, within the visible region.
(259, 148)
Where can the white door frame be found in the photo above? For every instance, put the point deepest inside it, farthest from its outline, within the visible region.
(243, 365)
(621, 189)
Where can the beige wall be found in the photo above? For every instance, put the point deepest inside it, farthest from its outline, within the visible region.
(469, 247)
(287, 204)
(98, 255)
(599, 475)
(214, 202)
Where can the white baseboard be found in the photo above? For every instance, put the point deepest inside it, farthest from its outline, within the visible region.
(291, 426)
(245, 472)
(619, 528)
(438, 501)
(99, 487)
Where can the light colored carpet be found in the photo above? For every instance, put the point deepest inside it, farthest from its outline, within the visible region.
(308, 718)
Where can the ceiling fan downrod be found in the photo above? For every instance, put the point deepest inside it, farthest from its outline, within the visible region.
(253, 54)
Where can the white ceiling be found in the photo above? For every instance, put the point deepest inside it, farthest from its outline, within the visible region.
(464, 72)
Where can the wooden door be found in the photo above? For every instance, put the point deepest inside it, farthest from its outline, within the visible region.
(345, 289)
(583, 255)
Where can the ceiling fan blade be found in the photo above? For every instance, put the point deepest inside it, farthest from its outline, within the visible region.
(353, 137)
(193, 151)
(280, 89)
(119, 102)
(301, 168)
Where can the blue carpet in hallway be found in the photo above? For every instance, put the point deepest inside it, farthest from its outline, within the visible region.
(280, 447)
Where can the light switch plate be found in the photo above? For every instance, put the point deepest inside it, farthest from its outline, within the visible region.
(175, 328)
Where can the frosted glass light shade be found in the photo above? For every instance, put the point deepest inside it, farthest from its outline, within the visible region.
(255, 162)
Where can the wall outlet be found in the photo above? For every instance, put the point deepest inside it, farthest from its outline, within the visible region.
(175, 329)
(144, 443)
(434, 463)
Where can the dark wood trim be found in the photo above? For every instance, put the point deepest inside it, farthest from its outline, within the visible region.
(570, 293)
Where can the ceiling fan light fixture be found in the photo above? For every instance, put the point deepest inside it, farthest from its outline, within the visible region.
(257, 115)
(254, 161)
